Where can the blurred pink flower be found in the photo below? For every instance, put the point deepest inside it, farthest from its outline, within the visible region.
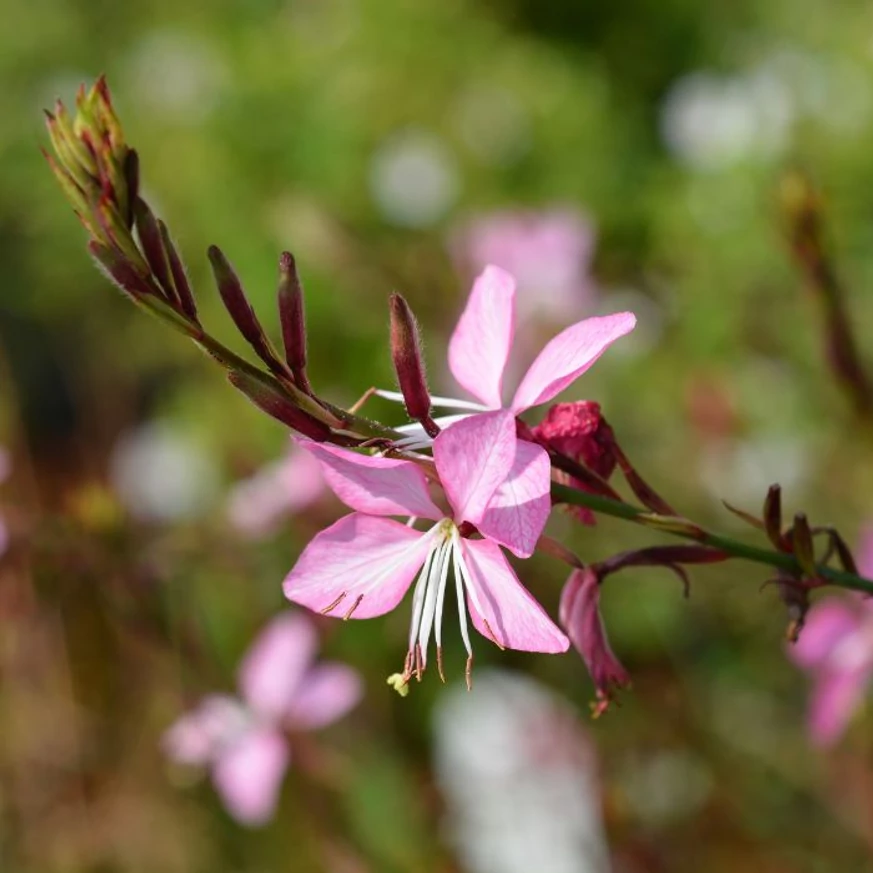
(364, 563)
(242, 740)
(256, 505)
(836, 648)
(548, 251)
(580, 616)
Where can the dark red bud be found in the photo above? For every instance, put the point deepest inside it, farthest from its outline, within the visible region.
(408, 363)
(180, 276)
(152, 245)
(293, 320)
(773, 516)
(120, 270)
(279, 406)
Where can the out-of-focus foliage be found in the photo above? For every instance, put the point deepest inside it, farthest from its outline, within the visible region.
(361, 134)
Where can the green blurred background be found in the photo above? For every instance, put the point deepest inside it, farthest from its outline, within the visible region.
(362, 134)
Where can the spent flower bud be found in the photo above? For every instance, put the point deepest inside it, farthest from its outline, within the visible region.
(773, 516)
(580, 616)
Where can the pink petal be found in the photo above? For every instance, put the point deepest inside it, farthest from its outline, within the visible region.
(374, 559)
(835, 699)
(480, 345)
(248, 775)
(473, 456)
(515, 620)
(257, 504)
(375, 485)
(519, 509)
(276, 662)
(326, 694)
(568, 356)
(829, 622)
(197, 735)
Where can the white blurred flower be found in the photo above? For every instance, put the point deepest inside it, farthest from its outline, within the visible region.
(741, 471)
(177, 72)
(518, 773)
(160, 474)
(710, 121)
(413, 179)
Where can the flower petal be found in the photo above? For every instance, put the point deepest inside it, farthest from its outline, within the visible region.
(502, 609)
(248, 775)
(519, 509)
(835, 699)
(568, 356)
(375, 485)
(273, 667)
(480, 345)
(196, 736)
(326, 694)
(473, 457)
(829, 622)
(358, 557)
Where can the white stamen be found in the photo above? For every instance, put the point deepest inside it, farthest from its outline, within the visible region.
(410, 522)
(445, 402)
(462, 606)
(441, 594)
(437, 581)
(418, 595)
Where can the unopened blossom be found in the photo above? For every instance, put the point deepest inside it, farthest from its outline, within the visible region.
(548, 252)
(836, 648)
(480, 346)
(242, 740)
(580, 617)
(362, 565)
(256, 505)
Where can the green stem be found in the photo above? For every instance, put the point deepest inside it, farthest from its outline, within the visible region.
(680, 527)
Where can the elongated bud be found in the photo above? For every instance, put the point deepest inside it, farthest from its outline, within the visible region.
(293, 320)
(279, 407)
(152, 245)
(180, 276)
(235, 301)
(240, 310)
(408, 364)
(644, 492)
(773, 516)
(801, 540)
(120, 270)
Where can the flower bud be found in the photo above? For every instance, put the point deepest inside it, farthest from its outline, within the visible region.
(408, 364)
(773, 516)
(120, 271)
(240, 310)
(279, 407)
(152, 244)
(292, 320)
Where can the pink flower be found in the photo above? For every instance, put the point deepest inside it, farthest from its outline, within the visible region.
(243, 740)
(548, 251)
(836, 648)
(363, 564)
(580, 616)
(480, 346)
(256, 505)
